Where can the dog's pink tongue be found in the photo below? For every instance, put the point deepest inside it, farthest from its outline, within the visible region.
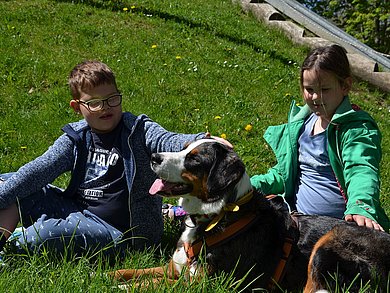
(157, 186)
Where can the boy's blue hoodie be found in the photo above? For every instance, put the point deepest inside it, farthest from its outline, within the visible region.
(140, 138)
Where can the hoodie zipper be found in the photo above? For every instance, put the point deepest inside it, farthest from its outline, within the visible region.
(132, 179)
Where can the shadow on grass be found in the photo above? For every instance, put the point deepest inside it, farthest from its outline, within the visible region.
(119, 5)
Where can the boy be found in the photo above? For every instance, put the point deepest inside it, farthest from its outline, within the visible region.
(107, 200)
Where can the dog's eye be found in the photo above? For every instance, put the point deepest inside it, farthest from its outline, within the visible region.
(193, 159)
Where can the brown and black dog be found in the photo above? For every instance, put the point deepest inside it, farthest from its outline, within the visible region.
(250, 235)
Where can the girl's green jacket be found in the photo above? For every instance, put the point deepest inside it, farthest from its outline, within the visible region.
(354, 148)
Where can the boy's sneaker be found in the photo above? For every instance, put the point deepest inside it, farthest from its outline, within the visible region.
(12, 243)
(18, 232)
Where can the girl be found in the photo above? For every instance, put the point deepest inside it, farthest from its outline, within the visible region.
(329, 152)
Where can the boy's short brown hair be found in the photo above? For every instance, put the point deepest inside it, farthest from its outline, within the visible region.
(89, 74)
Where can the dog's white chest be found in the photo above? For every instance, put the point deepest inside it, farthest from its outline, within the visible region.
(180, 257)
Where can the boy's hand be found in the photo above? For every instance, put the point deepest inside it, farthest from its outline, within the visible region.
(364, 221)
(220, 139)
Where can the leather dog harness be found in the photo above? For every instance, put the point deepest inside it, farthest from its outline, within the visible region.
(281, 268)
(289, 240)
(194, 249)
(286, 250)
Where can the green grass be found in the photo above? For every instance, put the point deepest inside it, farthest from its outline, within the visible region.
(190, 65)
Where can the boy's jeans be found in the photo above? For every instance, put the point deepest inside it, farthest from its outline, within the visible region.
(59, 223)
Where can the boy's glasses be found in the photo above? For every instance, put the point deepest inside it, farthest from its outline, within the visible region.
(97, 104)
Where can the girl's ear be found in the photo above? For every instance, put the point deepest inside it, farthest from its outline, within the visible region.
(75, 106)
(347, 85)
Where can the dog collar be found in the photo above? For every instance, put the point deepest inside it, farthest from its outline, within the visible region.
(230, 207)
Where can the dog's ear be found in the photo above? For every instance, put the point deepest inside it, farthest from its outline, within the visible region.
(226, 171)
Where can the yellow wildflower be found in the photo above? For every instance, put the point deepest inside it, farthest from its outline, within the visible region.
(248, 127)
(178, 57)
(217, 117)
(132, 7)
(125, 9)
(154, 46)
(223, 135)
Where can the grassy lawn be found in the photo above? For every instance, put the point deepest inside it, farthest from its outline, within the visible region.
(191, 65)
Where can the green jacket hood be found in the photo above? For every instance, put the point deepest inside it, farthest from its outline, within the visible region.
(345, 112)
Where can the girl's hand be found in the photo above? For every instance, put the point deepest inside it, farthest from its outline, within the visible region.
(363, 221)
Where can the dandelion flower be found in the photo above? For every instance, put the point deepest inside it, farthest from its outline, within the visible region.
(132, 7)
(125, 9)
(217, 117)
(223, 135)
(154, 46)
(248, 127)
(23, 148)
(178, 57)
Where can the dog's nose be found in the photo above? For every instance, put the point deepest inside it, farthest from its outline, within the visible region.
(156, 159)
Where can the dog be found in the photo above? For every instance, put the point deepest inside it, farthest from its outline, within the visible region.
(254, 237)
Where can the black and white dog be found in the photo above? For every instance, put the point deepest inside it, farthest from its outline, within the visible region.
(253, 236)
